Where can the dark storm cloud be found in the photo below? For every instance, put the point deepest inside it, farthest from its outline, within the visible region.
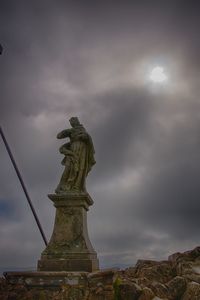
(171, 191)
(127, 121)
(90, 59)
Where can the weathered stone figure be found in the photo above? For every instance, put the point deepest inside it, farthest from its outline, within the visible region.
(78, 160)
(69, 248)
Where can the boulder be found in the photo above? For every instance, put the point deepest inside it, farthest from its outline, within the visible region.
(192, 292)
(160, 290)
(146, 294)
(176, 287)
(155, 271)
(129, 291)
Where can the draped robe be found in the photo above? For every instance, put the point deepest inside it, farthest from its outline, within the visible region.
(78, 160)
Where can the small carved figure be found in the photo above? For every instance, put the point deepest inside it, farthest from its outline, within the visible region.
(78, 160)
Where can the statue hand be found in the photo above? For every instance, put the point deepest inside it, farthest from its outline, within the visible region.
(64, 133)
(59, 135)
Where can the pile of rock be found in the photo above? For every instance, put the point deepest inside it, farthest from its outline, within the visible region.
(177, 278)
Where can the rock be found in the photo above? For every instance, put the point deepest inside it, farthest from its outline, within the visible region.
(101, 285)
(173, 257)
(187, 264)
(143, 282)
(131, 271)
(157, 298)
(192, 292)
(160, 290)
(103, 277)
(183, 268)
(147, 294)
(129, 291)
(185, 256)
(192, 277)
(176, 287)
(155, 271)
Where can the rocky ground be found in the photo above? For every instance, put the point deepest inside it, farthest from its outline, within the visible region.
(177, 278)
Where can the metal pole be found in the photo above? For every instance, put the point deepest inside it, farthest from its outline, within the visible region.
(1, 49)
(23, 186)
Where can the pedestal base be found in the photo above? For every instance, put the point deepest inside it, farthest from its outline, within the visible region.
(59, 285)
(86, 265)
(52, 280)
(69, 248)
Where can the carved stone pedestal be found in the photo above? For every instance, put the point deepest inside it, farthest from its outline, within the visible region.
(59, 285)
(69, 248)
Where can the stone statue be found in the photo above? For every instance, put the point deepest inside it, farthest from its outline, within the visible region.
(69, 248)
(78, 160)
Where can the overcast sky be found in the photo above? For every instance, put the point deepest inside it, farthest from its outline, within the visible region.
(93, 59)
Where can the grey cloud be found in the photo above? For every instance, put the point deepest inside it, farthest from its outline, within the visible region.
(68, 58)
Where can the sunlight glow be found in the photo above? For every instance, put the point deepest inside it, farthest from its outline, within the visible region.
(158, 75)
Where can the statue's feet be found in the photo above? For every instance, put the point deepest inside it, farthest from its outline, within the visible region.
(61, 190)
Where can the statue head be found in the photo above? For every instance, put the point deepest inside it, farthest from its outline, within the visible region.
(74, 121)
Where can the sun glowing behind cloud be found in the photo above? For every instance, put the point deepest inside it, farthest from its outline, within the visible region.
(157, 75)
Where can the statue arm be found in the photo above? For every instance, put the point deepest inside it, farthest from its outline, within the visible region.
(63, 134)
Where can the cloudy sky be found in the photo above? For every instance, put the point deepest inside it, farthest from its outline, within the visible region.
(93, 59)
